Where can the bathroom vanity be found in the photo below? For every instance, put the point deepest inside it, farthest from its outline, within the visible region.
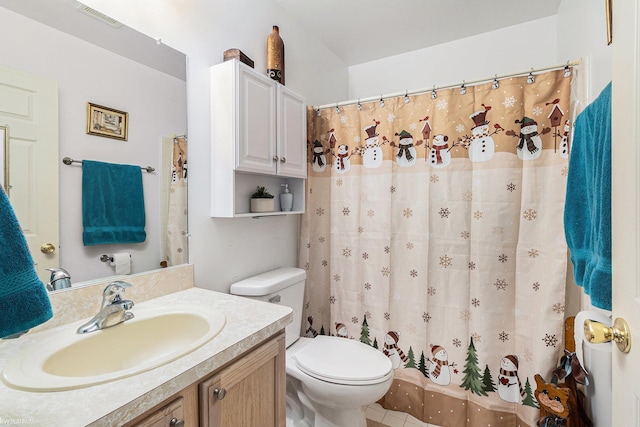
(247, 392)
(236, 377)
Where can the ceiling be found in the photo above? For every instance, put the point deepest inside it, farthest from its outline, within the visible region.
(125, 41)
(359, 31)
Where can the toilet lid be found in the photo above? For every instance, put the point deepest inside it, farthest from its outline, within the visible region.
(342, 360)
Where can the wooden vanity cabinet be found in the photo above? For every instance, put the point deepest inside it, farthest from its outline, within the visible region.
(250, 392)
(247, 392)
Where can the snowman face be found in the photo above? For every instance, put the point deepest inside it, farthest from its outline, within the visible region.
(389, 340)
(567, 127)
(342, 331)
(529, 129)
(508, 365)
(318, 150)
(440, 140)
(480, 130)
(406, 141)
(343, 149)
(441, 355)
(372, 142)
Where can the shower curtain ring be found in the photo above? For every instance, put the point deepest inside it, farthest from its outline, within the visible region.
(337, 108)
(531, 78)
(381, 101)
(406, 97)
(567, 70)
(318, 111)
(495, 84)
(359, 105)
(434, 95)
(463, 89)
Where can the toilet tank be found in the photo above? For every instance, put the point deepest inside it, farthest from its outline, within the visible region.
(284, 286)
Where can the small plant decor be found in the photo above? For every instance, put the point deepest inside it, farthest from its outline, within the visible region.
(262, 193)
(262, 201)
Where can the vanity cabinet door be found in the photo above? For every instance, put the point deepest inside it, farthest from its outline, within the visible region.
(172, 415)
(250, 392)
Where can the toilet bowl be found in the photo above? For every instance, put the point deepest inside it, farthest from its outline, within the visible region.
(330, 380)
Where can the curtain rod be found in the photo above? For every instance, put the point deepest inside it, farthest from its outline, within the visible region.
(435, 88)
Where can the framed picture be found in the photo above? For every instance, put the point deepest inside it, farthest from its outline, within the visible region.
(107, 122)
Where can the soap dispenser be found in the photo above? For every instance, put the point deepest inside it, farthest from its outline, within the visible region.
(286, 199)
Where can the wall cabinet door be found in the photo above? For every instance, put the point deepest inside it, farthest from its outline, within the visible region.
(256, 142)
(291, 134)
(248, 393)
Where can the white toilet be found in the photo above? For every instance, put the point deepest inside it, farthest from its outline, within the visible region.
(330, 380)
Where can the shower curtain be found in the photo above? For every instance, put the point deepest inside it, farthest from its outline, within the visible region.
(176, 241)
(434, 232)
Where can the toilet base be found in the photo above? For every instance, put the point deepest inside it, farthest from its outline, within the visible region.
(302, 412)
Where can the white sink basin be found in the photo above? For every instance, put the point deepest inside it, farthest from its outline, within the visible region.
(155, 336)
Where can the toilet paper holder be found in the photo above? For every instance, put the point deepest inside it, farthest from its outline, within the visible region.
(105, 258)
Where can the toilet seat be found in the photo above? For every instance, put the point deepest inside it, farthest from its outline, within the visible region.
(343, 361)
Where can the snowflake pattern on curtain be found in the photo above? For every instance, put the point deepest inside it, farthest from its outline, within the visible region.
(434, 232)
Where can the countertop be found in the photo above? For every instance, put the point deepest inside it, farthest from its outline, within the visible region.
(249, 322)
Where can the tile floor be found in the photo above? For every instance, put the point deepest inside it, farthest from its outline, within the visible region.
(377, 416)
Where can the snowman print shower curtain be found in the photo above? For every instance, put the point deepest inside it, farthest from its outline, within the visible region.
(434, 232)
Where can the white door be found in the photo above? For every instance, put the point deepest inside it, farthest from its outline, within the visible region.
(626, 209)
(29, 108)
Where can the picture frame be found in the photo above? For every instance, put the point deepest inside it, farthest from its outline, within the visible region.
(107, 122)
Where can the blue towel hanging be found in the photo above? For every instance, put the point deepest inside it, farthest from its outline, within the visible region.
(587, 213)
(24, 302)
(112, 204)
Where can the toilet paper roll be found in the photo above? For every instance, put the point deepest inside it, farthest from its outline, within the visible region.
(596, 360)
(122, 262)
(578, 333)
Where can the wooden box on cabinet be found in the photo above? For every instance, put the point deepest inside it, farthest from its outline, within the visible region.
(258, 132)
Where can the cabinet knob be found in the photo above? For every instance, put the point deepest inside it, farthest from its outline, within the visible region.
(275, 158)
(176, 423)
(283, 160)
(219, 393)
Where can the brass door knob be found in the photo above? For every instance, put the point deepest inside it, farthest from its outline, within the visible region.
(596, 333)
(47, 248)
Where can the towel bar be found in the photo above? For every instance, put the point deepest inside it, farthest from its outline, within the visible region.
(69, 160)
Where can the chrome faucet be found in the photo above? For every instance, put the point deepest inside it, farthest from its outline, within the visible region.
(113, 310)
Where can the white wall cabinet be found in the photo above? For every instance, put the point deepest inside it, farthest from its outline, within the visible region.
(258, 134)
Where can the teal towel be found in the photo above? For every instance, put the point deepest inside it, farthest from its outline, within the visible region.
(112, 204)
(24, 302)
(587, 213)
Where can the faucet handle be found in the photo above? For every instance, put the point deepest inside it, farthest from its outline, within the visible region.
(113, 290)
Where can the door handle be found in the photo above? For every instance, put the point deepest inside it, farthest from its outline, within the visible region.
(47, 248)
(596, 333)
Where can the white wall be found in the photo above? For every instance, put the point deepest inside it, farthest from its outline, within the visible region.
(226, 250)
(85, 73)
(512, 49)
